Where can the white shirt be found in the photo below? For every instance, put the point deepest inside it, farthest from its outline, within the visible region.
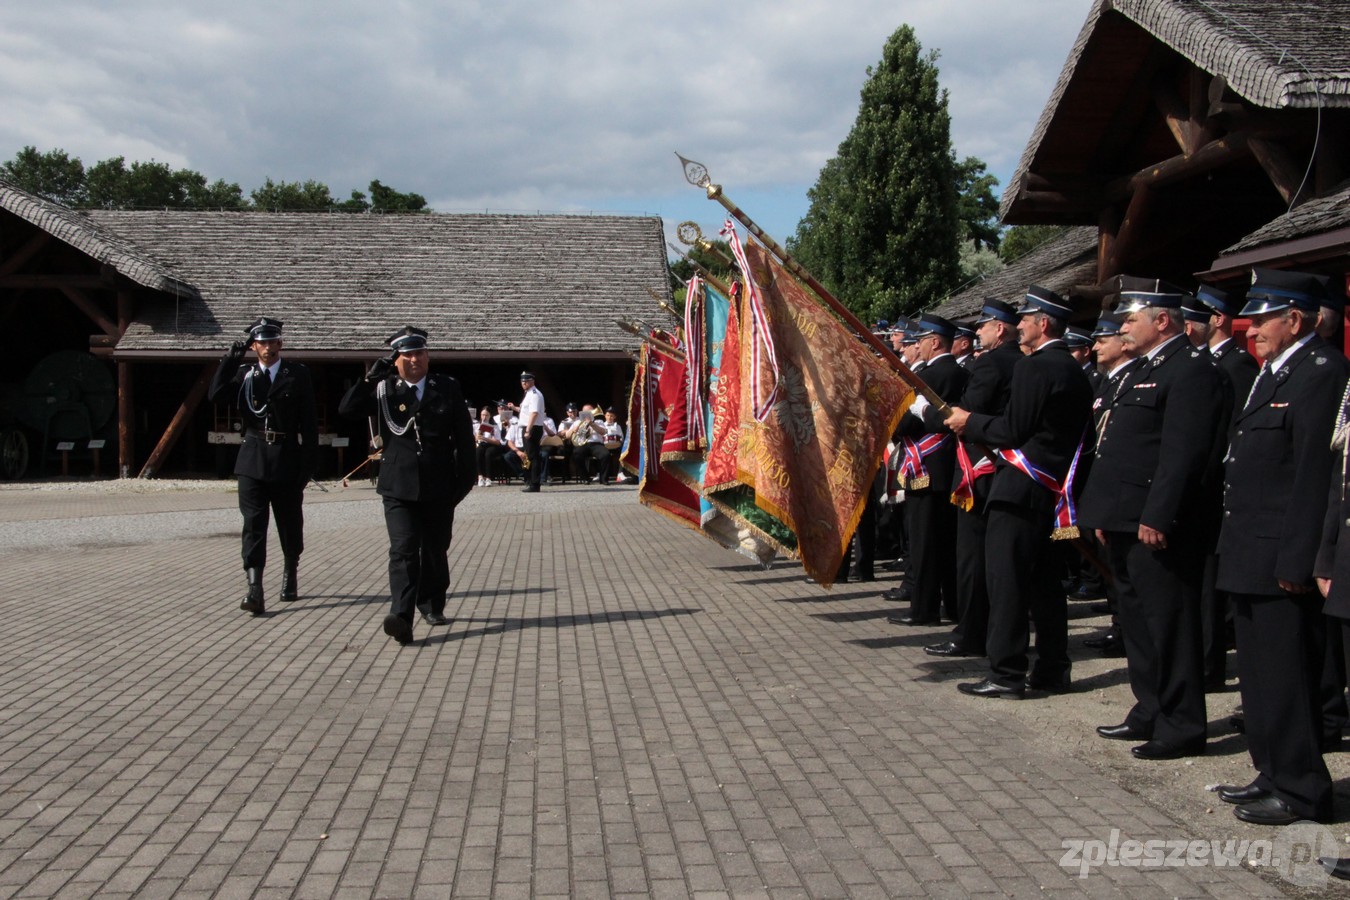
(532, 408)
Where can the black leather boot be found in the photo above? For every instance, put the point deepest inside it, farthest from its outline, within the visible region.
(290, 584)
(253, 601)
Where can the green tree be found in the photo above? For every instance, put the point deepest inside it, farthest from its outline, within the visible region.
(1020, 240)
(976, 204)
(882, 229)
(52, 175)
(357, 203)
(386, 199)
(977, 261)
(293, 196)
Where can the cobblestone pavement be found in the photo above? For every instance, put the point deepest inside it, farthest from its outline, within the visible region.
(620, 708)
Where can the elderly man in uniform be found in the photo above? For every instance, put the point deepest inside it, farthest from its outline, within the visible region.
(1145, 499)
(426, 470)
(278, 455)
(532, 431)
(1038, 438)
(1276, 479)
(986, 392)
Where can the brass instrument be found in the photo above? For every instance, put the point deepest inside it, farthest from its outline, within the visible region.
(581, 432)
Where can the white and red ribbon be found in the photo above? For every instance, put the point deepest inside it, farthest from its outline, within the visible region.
(762, 349)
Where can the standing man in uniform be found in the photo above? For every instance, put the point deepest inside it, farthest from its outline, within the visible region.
(278, 455)
(1276, 484)
(1145, 499)
(927, 469)
(986, 392)
(532, 428)
(427, 469)
(1038, 438)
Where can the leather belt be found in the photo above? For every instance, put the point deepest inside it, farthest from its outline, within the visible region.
(268, 436)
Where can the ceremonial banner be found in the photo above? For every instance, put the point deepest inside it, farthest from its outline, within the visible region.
(724, 401)
(659, 383)
(811, 458)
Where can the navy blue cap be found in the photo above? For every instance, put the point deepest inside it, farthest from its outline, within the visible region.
(1144, 293)
(965, 331)
(1193, 310)
(1077, 338)
(407, 339)
(1045, 301)
(997, 311)
(1275, 289)
(265, 329)
(1108, 325)
(882, 325)
(1221, 302)
(933, 324)
(527, 376)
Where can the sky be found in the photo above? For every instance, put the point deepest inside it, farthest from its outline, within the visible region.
(568, 106)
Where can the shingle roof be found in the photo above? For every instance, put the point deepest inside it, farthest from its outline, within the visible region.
(80, 232)
(1059, 264)
(1275, 54)
(1314, 217)
(346, 281)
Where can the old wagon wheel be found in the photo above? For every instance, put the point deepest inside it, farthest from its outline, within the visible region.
(13, 453)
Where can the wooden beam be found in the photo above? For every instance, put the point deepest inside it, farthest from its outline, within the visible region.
(1211, 156)
(90, 309)
(1132, 224)
(85, 282)
(1218, 86)
(19, 258)
(126, 412)
(1108, 224)
(1176, 115)
(1280, 167)
(179, 424)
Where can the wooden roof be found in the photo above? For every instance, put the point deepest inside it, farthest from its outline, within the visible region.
(1310, 234)
(79, 232)
(1100, 121)
(344, 282)
(1059, 264)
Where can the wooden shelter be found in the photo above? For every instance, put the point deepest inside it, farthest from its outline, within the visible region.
(161, 295)
(1180, 127)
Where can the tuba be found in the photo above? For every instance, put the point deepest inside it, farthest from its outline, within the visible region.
(581, 434)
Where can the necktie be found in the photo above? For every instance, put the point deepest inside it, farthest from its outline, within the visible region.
(263, 385)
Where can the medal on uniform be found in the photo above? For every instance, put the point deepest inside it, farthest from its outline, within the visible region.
(402, 408)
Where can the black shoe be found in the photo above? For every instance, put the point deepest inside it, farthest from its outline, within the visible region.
(1108, 644)
(290, 582)
(1229, 793)
(896, 595)
(253, 600)
(1058, 684)
(1337, 868)
(1239, 722)
(1123, 732)
(1086, 592)
(910, 619)
(398, 629)
(435, 619)
(530, 489)
(948, 649)
(1162, 750)
(865, 576)
(990, 688)
(1269, 810)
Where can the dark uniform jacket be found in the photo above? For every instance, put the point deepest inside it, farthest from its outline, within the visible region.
(1049, 405)
(948, 380)
(1333, 560)
(1239, 367)
(1279, 460)
(1158, 445)
(987, 392)
(434, 458)
(291, 416)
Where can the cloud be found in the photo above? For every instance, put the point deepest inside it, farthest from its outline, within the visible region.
(511, 105)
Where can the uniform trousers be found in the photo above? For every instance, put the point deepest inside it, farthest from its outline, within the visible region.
(534, 452)
(585, 456)
(1280, 641)
(972, 591)
(1213, 622)
(1022, 578)
(1158, 592)
(932, 539)
(285, 498)
(419, 539)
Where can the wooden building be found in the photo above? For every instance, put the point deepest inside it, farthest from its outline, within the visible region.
(160, 295)
(1182, 129)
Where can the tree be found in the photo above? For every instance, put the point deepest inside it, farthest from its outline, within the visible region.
(883, 230)
(52, 175)
(386, 199)
(976, 204)
(977, 261)
(1022, 239)
(293, 196)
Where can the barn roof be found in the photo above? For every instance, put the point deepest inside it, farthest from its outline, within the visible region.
(1059, 264)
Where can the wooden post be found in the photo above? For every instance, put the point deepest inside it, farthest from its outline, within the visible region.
(126, 414)
(181, 420)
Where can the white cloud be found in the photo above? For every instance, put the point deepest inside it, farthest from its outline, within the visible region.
(573, 105)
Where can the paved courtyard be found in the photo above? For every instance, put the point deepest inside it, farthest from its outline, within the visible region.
(620, 708)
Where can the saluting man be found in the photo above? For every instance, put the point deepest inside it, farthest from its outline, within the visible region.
(278, 454)
(426, 469)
